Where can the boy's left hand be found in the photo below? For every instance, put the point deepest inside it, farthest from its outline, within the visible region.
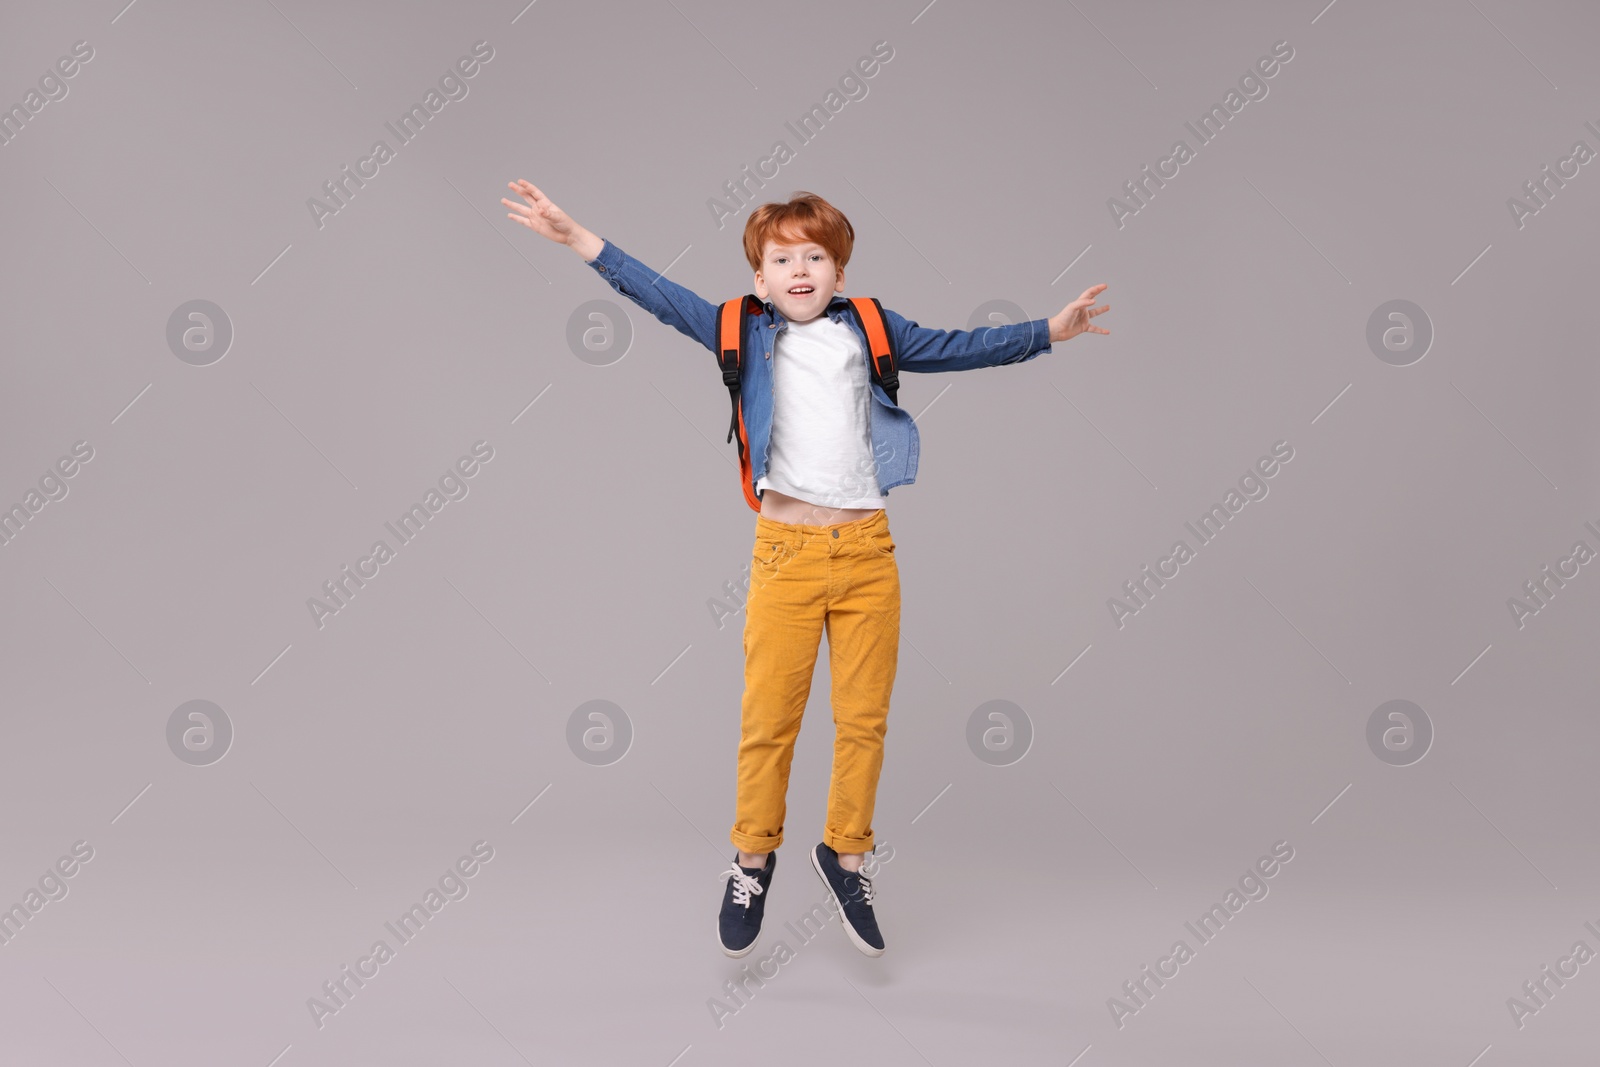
(1073, 319)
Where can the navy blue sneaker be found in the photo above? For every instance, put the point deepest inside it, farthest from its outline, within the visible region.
(852, 897)
(743, 904)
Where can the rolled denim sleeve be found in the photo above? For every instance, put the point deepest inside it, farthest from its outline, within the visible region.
(676, 305)
(928, 351)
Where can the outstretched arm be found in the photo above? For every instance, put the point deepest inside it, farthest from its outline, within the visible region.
(925, 350)
(678, 306)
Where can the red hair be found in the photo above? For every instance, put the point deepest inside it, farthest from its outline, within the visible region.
(806, 217)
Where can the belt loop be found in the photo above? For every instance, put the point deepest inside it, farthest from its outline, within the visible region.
(864, 528)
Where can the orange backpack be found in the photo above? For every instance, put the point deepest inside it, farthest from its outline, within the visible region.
(733, 317)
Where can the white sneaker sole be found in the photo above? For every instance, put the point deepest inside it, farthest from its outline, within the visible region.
(850, 931)
(739, 954)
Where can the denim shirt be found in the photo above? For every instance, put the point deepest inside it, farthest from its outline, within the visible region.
(895, 442)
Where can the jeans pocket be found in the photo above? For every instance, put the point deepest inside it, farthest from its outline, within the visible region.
(882, 544)
(768, 556)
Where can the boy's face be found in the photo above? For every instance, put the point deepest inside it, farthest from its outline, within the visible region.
(789, 270)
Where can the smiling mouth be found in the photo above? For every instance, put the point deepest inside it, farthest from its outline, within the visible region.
(801, 290)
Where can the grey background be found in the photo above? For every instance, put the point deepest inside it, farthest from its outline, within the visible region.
(430, 713)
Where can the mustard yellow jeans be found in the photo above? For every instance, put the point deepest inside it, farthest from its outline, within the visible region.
(804, 580)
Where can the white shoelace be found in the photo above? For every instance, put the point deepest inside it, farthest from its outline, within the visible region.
(866, 889)
(744, 885)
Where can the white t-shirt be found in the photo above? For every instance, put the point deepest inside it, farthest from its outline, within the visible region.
(821, 446)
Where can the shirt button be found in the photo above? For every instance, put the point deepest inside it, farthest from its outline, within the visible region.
(772, 326)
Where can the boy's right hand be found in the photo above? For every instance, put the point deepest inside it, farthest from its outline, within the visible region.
(541, 215)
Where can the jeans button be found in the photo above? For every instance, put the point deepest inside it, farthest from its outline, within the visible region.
(836, 533)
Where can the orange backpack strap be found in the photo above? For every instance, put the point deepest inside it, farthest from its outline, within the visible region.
(881, 356)
(732, 319)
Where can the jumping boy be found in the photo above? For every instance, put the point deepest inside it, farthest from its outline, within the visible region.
(825, 443)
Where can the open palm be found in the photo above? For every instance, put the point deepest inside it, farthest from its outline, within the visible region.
(540, 214)
(1073, 319)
